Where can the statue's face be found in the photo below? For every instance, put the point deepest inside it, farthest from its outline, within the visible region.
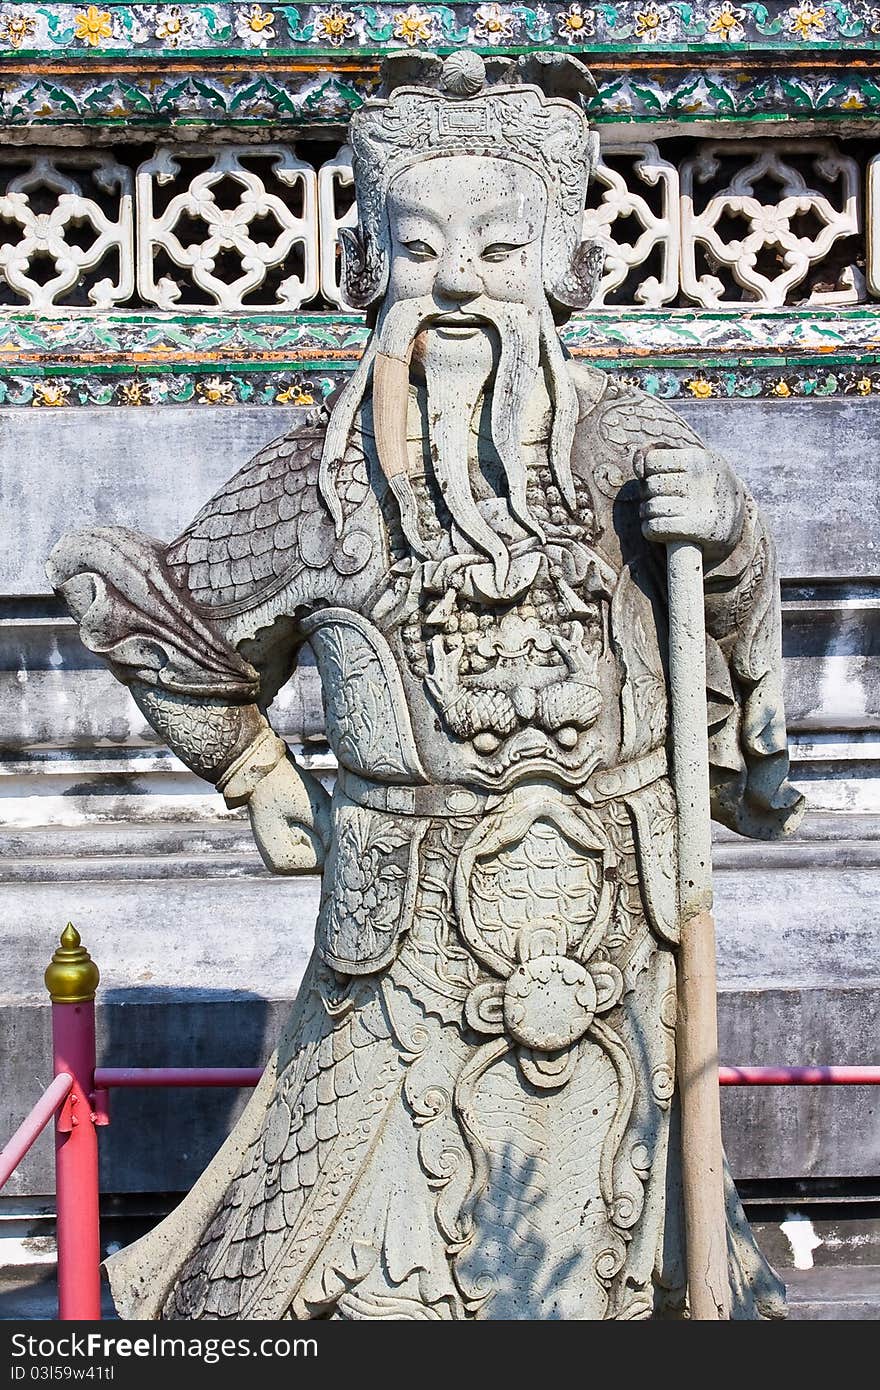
(466, 227)
(467, 320)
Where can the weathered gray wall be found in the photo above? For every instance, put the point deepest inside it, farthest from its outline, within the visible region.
(99, 824)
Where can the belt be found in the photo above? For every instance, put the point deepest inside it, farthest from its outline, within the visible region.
(449, 799)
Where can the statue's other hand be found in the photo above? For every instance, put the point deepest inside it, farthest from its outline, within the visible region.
(689, 494)
(290, 820)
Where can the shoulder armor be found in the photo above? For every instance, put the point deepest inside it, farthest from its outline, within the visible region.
(627, 419)
(267, 524)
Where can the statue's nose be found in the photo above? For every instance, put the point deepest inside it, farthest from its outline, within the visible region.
(456, 279)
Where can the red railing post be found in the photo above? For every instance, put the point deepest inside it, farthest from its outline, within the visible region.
(71, 979)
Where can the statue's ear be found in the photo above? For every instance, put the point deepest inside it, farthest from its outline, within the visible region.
(364, 268)
(577, 287)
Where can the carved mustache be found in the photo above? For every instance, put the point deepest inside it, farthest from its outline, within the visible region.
(387, 358)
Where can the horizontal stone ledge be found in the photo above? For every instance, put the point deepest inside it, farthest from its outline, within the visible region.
(232, 835)
(214, 864)
(133, 757)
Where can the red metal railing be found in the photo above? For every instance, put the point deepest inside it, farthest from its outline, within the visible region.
(32, 1125)
(78, 1097)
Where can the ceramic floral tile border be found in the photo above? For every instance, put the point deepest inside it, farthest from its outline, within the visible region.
(291, 386)
(77, 337)
(40, 95)
(247, 64)
(225, 29)
(262, 359)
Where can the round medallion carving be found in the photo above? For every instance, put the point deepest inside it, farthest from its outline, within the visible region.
(549, 1002)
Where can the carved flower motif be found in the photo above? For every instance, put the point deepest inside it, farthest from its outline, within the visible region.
(16, 28)
(700, 387)
(771, 221)
(135, 393)
(852, 103)
(215, 392)
(807, 21)
(50, 393)
(726, 22)
(492, 25)
(414, 25)
(652, 21)
(93, 25)
(874, 20)
(173, 26)
(576, 23)
(297, 393)
(864, 386)
(255, 25)
(335, 25)
(781, 388)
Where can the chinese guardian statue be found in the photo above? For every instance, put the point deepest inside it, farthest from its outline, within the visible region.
(472, 1110)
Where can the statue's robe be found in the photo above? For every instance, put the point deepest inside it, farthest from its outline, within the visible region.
(472, 1109)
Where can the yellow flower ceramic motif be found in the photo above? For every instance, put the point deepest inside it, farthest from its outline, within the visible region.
(93, 25)
(492, 25)
(255, 25)
(334, 25)
(852, 103)
(576, 23)
(700, 387)
(864, 386)
(172, 26)
(50, 393)
(17, 28)
(413, 25)
(806, 21)
(650, 21)
(258, 20)
(726, 22)
(295, 394)
(215, 392)
(134, 393)
(781, 388)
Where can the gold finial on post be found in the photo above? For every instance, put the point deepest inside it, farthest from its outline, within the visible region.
(71, 976)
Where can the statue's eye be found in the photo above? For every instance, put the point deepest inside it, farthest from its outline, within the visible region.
(421, 250)
(500, 250)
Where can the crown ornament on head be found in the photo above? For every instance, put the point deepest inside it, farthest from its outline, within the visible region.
(464, 105)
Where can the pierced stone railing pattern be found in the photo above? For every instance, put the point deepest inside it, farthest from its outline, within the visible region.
(762, 223)
(56, 230)
(782, 225)
(248, 213)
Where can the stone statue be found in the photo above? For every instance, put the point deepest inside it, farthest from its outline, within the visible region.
(472, 1110)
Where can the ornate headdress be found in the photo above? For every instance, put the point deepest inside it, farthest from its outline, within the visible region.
(464, 105)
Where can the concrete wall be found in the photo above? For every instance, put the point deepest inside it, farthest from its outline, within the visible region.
(99, 824)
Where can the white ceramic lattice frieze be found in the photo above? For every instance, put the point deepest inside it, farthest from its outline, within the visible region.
(618, 174)
(749, 213)
(336, 209)
(250, 215)
(67, 229)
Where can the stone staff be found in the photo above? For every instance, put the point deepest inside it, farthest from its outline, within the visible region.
(702, 1160)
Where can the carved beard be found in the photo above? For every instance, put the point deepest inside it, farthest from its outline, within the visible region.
(457, 371)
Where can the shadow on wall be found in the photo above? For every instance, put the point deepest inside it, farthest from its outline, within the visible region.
(160, 1140)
